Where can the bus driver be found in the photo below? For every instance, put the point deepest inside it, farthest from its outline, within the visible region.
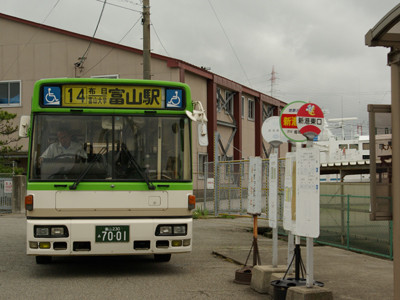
(64, 146)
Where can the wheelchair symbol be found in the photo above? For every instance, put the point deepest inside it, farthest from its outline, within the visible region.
(51, 98)
(175, 101)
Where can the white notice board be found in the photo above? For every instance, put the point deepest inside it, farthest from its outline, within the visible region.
(210, 183)
(8, 186)
(273, 190)
(289, 216)
(307, 192)
(254, 188)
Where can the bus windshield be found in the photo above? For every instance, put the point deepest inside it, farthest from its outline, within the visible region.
(88, 147)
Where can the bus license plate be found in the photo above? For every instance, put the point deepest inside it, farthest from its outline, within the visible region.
(112, 234)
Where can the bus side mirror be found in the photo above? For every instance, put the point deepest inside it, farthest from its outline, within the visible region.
(199, 115)
(202, 134)
(24, 124)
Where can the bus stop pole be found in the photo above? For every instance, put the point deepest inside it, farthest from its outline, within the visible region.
(310, 247)
(275, 229)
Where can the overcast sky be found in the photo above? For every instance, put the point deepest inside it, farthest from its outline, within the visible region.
(316, 47)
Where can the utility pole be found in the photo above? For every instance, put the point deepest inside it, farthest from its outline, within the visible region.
(146, 40)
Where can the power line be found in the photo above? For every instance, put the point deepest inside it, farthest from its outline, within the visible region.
(51, 10)
(120, 6)
(79, 64)
(108, 53)
(162, 45)
(230, 44)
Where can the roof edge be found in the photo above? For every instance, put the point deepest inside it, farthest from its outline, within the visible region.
(372, 38)
(171, 62)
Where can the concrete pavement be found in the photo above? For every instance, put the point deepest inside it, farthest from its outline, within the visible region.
(349, 275)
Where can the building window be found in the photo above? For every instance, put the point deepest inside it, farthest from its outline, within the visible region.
(354, 146)
(243, 105)
(219, 96)
(10, 93)
(229, 102)
(251, 109)
(203, 159)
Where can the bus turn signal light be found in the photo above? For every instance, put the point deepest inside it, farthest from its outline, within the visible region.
(191, 202)
(29, 202)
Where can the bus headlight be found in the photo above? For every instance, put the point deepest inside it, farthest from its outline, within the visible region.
(171, 230)
(165, 230)
(41, 231)
(57, 231)
(179, 229)
(50, 231)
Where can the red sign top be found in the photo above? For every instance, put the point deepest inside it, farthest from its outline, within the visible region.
(310, 119)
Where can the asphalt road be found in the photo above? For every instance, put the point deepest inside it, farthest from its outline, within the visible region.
(196, 275)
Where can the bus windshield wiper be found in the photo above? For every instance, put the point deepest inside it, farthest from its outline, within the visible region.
(142, 173)
(87, 169)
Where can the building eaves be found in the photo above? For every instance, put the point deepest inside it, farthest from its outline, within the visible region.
(386, 32)
(171, 62)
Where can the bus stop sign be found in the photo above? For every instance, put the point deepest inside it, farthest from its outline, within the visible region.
(310, 120)
(288, 121)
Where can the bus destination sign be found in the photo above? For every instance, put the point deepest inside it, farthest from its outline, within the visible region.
(112, 96)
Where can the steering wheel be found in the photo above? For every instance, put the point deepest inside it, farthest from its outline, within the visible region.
(65, 155)
(69, 157)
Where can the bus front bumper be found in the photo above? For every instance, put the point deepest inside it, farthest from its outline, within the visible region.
(65, 237)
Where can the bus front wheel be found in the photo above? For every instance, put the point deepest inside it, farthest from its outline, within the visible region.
(162, 257)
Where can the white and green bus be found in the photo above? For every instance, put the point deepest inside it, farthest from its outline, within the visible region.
(110, 168)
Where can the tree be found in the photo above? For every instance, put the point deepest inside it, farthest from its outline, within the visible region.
(7, 141)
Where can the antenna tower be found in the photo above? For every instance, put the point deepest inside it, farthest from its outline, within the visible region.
(272, 80)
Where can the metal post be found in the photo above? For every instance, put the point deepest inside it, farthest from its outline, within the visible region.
(395, 75)
(255, 244)
(275, 247)
(310, 262)
(241, 165)
(342, 209)
(348, 222)
(310, 247)
(297, 252)
(216, 173)
(205, 185)
(275, 229)
(290, 251)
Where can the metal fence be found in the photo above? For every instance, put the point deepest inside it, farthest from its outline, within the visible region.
(344, 218)
(5, 192)
(344, 222)
(227, 193)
